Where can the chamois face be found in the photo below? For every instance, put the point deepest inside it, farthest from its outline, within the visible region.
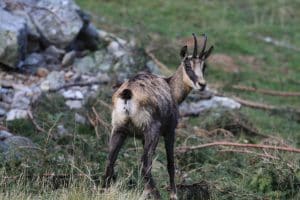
(194, 65)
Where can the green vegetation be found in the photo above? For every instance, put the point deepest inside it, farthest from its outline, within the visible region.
(232, 26)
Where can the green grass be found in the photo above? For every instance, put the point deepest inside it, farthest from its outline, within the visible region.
(231, 26)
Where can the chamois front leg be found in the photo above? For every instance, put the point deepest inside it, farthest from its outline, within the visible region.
(116, 141)
(169, 145)
(151, 136)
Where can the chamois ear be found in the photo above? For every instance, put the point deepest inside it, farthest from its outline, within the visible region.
(183, 51)
(207, 53)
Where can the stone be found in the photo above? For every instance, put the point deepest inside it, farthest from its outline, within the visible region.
(80, 119)
(68, 58)
(16, 114)
(4, 135)
(61, 130)
(103, 78)
(18, 147)
(152, 67)
(194, 108)
(55, 51)
(84, 65)
(115, 49)
(53, 81)
(74, 104)
(33, 61)
(2, 112)
(20, 100)
(58, 23)
(13, 39)
(73, 94)
(42, 72)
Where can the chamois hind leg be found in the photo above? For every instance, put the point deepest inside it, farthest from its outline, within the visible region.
(151, 136)
(169, 145)
(116, 141)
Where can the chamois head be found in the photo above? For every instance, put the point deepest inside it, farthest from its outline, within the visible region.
(194, 65)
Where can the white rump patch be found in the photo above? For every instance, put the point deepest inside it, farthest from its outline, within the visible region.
(128, 109)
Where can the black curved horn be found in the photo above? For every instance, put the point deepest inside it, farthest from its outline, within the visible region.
(204, 46)
(195, 46)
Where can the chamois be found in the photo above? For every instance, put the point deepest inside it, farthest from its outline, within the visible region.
(146, 106)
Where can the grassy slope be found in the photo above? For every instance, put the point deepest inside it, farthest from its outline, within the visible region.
(231, 26)
(161, 24)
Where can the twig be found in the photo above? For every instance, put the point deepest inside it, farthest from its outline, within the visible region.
(158, 63)
(224, 143)
(264, 91)
(75, 84)
(262, 106)
(99, 119)
(94, 124)
(250, 152)
(104, 104)
(37, 126)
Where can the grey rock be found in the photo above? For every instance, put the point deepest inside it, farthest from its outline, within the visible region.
(84, 65)
(17, 148)
(53, 55)
(13, 39)
(16, 114)
(19, 141)
(103, 77)
(152, 67)
(53, 81)
(20, 100)
(33, 61)
(80, 119)
(115, 49)
(61, 130)
(60, 28)
(74, 104)
(55, 51)
(194, 108)
(72, 94)
(3, 148)
(103, 60)
(68, 58)
(4, 135)
(95, 62)
(2, 112)
(4, 105)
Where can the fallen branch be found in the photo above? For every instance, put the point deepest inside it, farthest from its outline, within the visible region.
(264, 91)
(263, 106)
(94, 124)
(100, 120)
(104, 104)
(37, 126)
(224, 143)
(162, 66)
(75, 84)
(250, 152)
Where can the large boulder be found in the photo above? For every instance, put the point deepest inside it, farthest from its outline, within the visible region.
(13, 38)
(15, 147)
(57, 21)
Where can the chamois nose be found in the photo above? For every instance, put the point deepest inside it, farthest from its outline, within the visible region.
(202, 85)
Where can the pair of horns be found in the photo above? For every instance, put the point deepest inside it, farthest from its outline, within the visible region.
(195, 53)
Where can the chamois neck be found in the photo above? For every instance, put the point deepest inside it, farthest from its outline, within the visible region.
(179, 89)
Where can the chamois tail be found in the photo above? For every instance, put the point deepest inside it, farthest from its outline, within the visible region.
(126, 94)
